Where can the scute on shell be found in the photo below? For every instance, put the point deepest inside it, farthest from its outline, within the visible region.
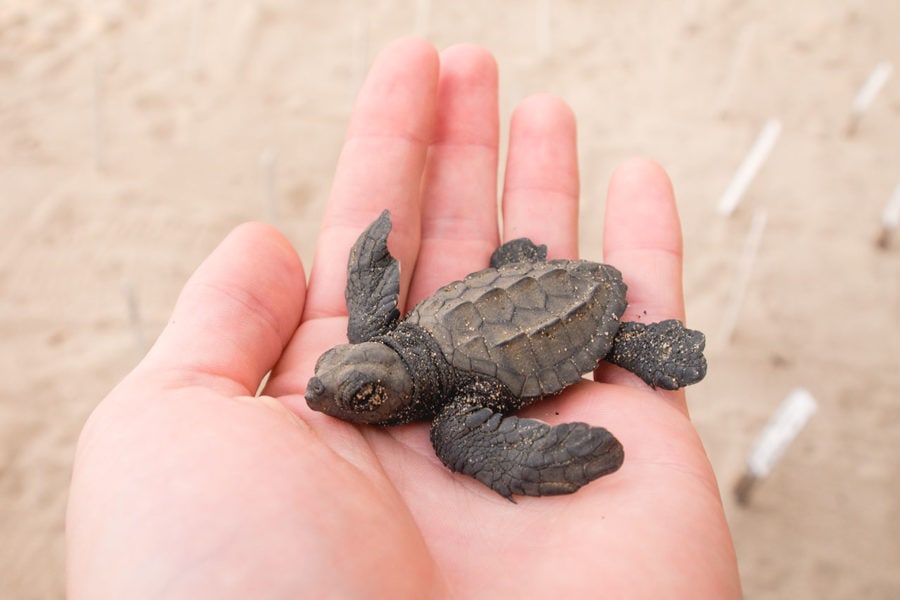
(535, 327)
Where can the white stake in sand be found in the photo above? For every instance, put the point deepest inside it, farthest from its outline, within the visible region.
(360, 49)
(790, 418)
(423, 17)
(134, 318)
(867, 93)
(742, 280)
(98, 119)
(542, 28)
(751, 165)
(737, 67)
(195, 20)
(890, 219)
(262, 384)
(268, 160)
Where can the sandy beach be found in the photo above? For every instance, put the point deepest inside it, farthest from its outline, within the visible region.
(135, 135)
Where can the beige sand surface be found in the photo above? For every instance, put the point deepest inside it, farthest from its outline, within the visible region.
(134, 135)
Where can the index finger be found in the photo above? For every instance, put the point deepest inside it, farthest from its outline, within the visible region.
(380, 167)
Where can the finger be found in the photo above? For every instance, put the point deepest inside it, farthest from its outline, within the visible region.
(235, 314)
(459, 220)
(540, 192)
(380, 167)
(642, 238)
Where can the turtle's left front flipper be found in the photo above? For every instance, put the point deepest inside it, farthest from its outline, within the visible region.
(522, 456)
(664, 354)
(373, 283)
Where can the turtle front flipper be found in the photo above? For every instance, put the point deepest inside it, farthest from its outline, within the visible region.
(664, 354)
(518, 250)
(522, 456)
(373, 283)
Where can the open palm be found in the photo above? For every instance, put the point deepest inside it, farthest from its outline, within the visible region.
(186, 485)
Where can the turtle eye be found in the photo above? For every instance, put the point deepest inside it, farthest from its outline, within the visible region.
(368, 396)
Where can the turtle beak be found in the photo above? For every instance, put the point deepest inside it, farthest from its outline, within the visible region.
(315, 394)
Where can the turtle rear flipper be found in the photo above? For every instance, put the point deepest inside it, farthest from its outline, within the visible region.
(373, 284)
(522, 456)
(518, 250)
(664, 354)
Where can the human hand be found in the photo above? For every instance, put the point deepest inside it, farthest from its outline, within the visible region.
(187, 485)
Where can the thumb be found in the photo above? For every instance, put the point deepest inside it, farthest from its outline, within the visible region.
(234, 316)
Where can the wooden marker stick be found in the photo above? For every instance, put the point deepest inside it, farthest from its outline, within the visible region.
(742, 280)
(790, 418)
(267, 163)
(423, 17)
(99, 123)
(890, 219)
(867, 93)
(134, 318)
(751, 165)
(542, 27)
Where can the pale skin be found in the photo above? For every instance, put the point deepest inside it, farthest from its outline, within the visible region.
(186, 485)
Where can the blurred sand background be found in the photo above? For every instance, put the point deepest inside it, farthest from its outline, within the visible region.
(135, 135)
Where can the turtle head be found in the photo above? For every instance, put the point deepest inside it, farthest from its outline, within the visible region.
(360, 383)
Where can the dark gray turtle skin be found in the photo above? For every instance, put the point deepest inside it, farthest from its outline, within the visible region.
(481, 348)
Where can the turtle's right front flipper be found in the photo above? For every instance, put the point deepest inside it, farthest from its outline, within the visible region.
(522, 456)
(516, 251)
(373, 283)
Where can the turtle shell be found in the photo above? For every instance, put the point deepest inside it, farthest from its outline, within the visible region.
(537, 327)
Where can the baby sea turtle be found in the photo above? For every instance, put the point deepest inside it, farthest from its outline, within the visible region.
(481, 348)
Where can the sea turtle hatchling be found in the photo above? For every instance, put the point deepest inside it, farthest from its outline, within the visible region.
(483, 347)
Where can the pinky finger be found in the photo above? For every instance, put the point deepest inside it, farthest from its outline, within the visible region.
(642, 238)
